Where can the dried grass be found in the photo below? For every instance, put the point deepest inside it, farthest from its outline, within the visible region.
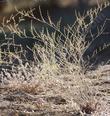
(51, 79)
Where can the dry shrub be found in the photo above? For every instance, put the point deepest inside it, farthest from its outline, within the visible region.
(63, 77)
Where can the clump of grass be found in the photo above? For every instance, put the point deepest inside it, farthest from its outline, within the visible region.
(52, 75)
